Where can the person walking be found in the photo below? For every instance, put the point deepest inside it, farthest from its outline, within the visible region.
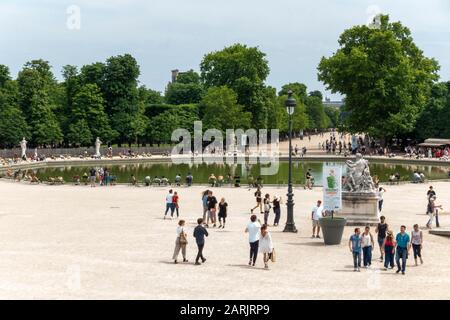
(199, 234)
(316, 214)
(381, 191)
(253, 229)
(205, 204)
(403, 246)
(276, 210)
(211, 203)
(258, 197)
(180, 242)
(433, 212)
(308, 178)
(223, 206)
(354, 245)
(175, 203)
(367, 247)
(92, 176)
(265, 245)
(267, 207)
(388, 249)
(381, 229)
(169, 201)
(417, 242)
(430, 194)
(189, 179)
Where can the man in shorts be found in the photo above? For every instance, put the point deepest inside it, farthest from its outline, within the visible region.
(316, 214)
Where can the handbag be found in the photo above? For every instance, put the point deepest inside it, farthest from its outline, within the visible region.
(273, 256)
(183, 239)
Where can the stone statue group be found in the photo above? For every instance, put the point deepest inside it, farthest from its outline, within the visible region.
(358, 177)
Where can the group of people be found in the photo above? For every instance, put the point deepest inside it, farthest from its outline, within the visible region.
(259, 237)
(210, 209)
(392, 249)
(432, 208)
(266, 204)
(172, 204)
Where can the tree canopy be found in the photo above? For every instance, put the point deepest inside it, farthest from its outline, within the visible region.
(384, 76)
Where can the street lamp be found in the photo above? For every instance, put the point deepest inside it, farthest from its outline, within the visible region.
(290, 104)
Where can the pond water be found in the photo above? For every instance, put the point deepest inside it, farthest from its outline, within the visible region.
(201, 172)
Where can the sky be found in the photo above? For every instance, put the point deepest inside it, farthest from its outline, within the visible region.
(175, 34)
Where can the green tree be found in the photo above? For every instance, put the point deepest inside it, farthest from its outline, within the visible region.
(433, 122)
(88, 105)
(161, 126)
(183, 93)
(189, 77)
(149, 96)
(385, 77)
(297, 88)
(316, 113)
(333, 115)
(4, 75)
(122, 98)
(93, 73)
(244, 70)
(316, 93)
(13, 126)
(79, 133)
(221, 110)
(38, 101)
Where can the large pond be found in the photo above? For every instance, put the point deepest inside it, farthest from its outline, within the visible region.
(201, 172)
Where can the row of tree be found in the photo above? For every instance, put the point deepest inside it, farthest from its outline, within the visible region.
(105, 100)
(389, 85)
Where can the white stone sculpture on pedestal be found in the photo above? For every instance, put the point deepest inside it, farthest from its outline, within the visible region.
(359, 196)
(23, 146)
(98, 143)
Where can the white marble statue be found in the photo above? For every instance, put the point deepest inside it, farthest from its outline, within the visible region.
(98, 143)
(358, 177)
(23, 146)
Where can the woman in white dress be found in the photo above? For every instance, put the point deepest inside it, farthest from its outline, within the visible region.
(265, 245)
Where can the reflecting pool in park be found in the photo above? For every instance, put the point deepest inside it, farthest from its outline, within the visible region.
(201, 172)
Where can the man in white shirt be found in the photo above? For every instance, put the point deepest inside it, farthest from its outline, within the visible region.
(169, 204)
(316, 214)
(253, 229)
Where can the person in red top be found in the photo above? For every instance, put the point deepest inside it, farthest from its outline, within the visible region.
(389, 250)
(175, 199)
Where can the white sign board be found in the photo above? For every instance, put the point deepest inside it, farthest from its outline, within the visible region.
(332, 188)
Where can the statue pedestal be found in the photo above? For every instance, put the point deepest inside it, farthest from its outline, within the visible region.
(360, 208)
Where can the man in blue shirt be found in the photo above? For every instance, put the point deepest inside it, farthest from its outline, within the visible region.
(403, 247)
(355, 248)
(199, 234)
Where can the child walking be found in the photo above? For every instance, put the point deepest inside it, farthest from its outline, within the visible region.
(222, 212)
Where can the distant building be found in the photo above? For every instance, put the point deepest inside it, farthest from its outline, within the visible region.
(176, 73)
(335, 103)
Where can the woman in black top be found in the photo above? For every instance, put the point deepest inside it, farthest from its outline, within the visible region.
(258, 200)
(211, 203)
(222, 212)
(276, 210)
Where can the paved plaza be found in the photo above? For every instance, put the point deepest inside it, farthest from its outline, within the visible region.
(75, 242)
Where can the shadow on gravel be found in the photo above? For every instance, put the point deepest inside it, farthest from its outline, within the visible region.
(310, 244)
(246, 266)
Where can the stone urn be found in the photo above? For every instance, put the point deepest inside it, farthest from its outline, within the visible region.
(332, 229)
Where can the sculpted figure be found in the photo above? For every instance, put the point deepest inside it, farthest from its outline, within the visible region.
(358, 176)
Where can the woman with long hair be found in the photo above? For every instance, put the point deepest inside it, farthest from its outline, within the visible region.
(265, 245)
